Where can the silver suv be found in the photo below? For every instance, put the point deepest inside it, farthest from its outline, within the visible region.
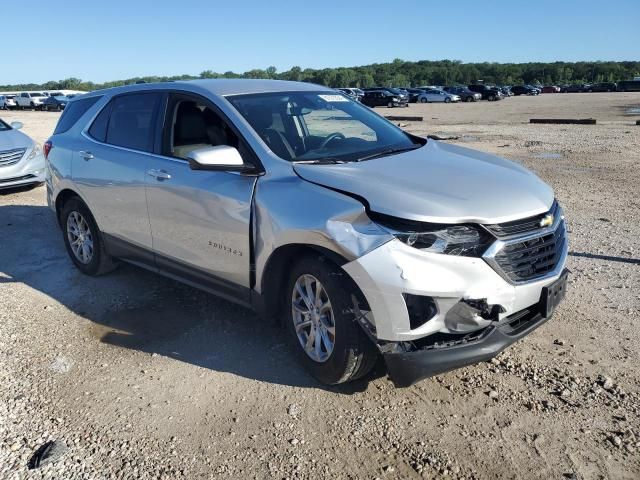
(296, 201)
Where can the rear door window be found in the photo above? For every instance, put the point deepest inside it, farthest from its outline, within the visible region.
(73, 112)
(132, 121)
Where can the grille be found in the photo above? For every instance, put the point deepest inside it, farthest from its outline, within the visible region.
(520, 227)
(11, 157)
(533, 258)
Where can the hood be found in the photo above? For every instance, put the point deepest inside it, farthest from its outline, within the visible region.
(11, 139)
(440, 183)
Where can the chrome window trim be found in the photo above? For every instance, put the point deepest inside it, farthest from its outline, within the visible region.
(498, 245)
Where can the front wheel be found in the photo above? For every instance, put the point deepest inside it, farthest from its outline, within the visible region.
(321, 322)
(390, 105)
(423, 100)
(83, 239)
(492, 98)
(447, 100)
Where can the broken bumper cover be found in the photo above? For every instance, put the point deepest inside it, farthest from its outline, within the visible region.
(408, 367)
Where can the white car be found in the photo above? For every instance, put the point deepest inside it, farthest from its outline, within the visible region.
(437, 96)
(7, 102)
(21, 159)
(30, 100)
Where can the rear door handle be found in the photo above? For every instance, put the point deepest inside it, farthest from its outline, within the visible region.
(86, 155)
(159, 175)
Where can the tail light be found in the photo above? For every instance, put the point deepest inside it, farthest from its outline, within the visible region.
(46, 148)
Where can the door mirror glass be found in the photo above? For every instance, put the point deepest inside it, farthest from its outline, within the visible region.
(16, 125)
(221, 157)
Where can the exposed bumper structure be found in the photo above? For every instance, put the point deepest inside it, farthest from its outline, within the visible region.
(433, 358)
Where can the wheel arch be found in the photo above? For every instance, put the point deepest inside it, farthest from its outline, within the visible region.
(62, 198)
(275, 273)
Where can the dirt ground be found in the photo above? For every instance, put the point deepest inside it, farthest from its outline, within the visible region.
(142, 377)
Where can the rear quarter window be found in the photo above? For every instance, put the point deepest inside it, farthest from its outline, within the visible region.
(73, 112)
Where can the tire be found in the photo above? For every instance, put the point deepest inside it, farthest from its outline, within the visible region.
(492, 98)
(447, 100)
(390, 105)
(468, 99)
(424, 100)
(351, 355)
(99, 262)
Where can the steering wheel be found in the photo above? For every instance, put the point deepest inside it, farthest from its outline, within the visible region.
(331, 138)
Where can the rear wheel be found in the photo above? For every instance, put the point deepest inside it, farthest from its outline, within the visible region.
(321, 323)
(390, 105)
(83, 240)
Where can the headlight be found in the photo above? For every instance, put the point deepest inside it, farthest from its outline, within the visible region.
(463, 240)
(34, 152)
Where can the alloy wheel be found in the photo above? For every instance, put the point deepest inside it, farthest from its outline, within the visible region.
(80, 237)
(313, 318)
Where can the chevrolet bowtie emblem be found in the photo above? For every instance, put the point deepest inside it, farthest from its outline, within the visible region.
(547, 220)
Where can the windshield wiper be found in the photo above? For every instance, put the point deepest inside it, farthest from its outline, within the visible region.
(386, 152)
(319, 161)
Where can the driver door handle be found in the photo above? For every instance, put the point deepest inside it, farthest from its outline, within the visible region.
(159, 175)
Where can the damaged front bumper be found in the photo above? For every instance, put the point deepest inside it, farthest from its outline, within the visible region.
(406, 367)
(409, 362)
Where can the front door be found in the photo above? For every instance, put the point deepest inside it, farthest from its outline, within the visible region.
(200, 220)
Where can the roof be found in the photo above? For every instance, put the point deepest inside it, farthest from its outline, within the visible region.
(222, 86)
(235, 86)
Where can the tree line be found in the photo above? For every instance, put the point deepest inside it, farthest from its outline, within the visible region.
(398, 73)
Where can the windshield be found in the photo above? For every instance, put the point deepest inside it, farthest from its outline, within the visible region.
(320, 127)
(37, 95)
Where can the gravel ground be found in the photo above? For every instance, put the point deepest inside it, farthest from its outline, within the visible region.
(136, 376)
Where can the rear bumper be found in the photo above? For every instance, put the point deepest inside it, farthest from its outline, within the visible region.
(408, 367)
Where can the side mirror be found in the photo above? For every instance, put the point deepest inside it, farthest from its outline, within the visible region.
(219, 158)
(16, 125)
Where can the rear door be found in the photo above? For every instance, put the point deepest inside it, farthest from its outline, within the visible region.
(200, 220)
(110, 167)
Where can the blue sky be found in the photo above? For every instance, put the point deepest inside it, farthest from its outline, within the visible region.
(118, 39)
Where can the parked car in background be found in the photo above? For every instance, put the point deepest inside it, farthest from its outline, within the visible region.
(21, 160)
(365, 241)
(506, 91)
(629, 86)
(354, 93)
(403, 95)
(383, 98)
(434, 96)
(491, 94)
(7, 102)
(604, 87)
(571, 88)
(464, 93)
(550, 89)
(523, 90)
(54, 103)
(30, 100)
(414, 93)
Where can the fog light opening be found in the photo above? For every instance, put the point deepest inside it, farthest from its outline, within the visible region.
(421, 309)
